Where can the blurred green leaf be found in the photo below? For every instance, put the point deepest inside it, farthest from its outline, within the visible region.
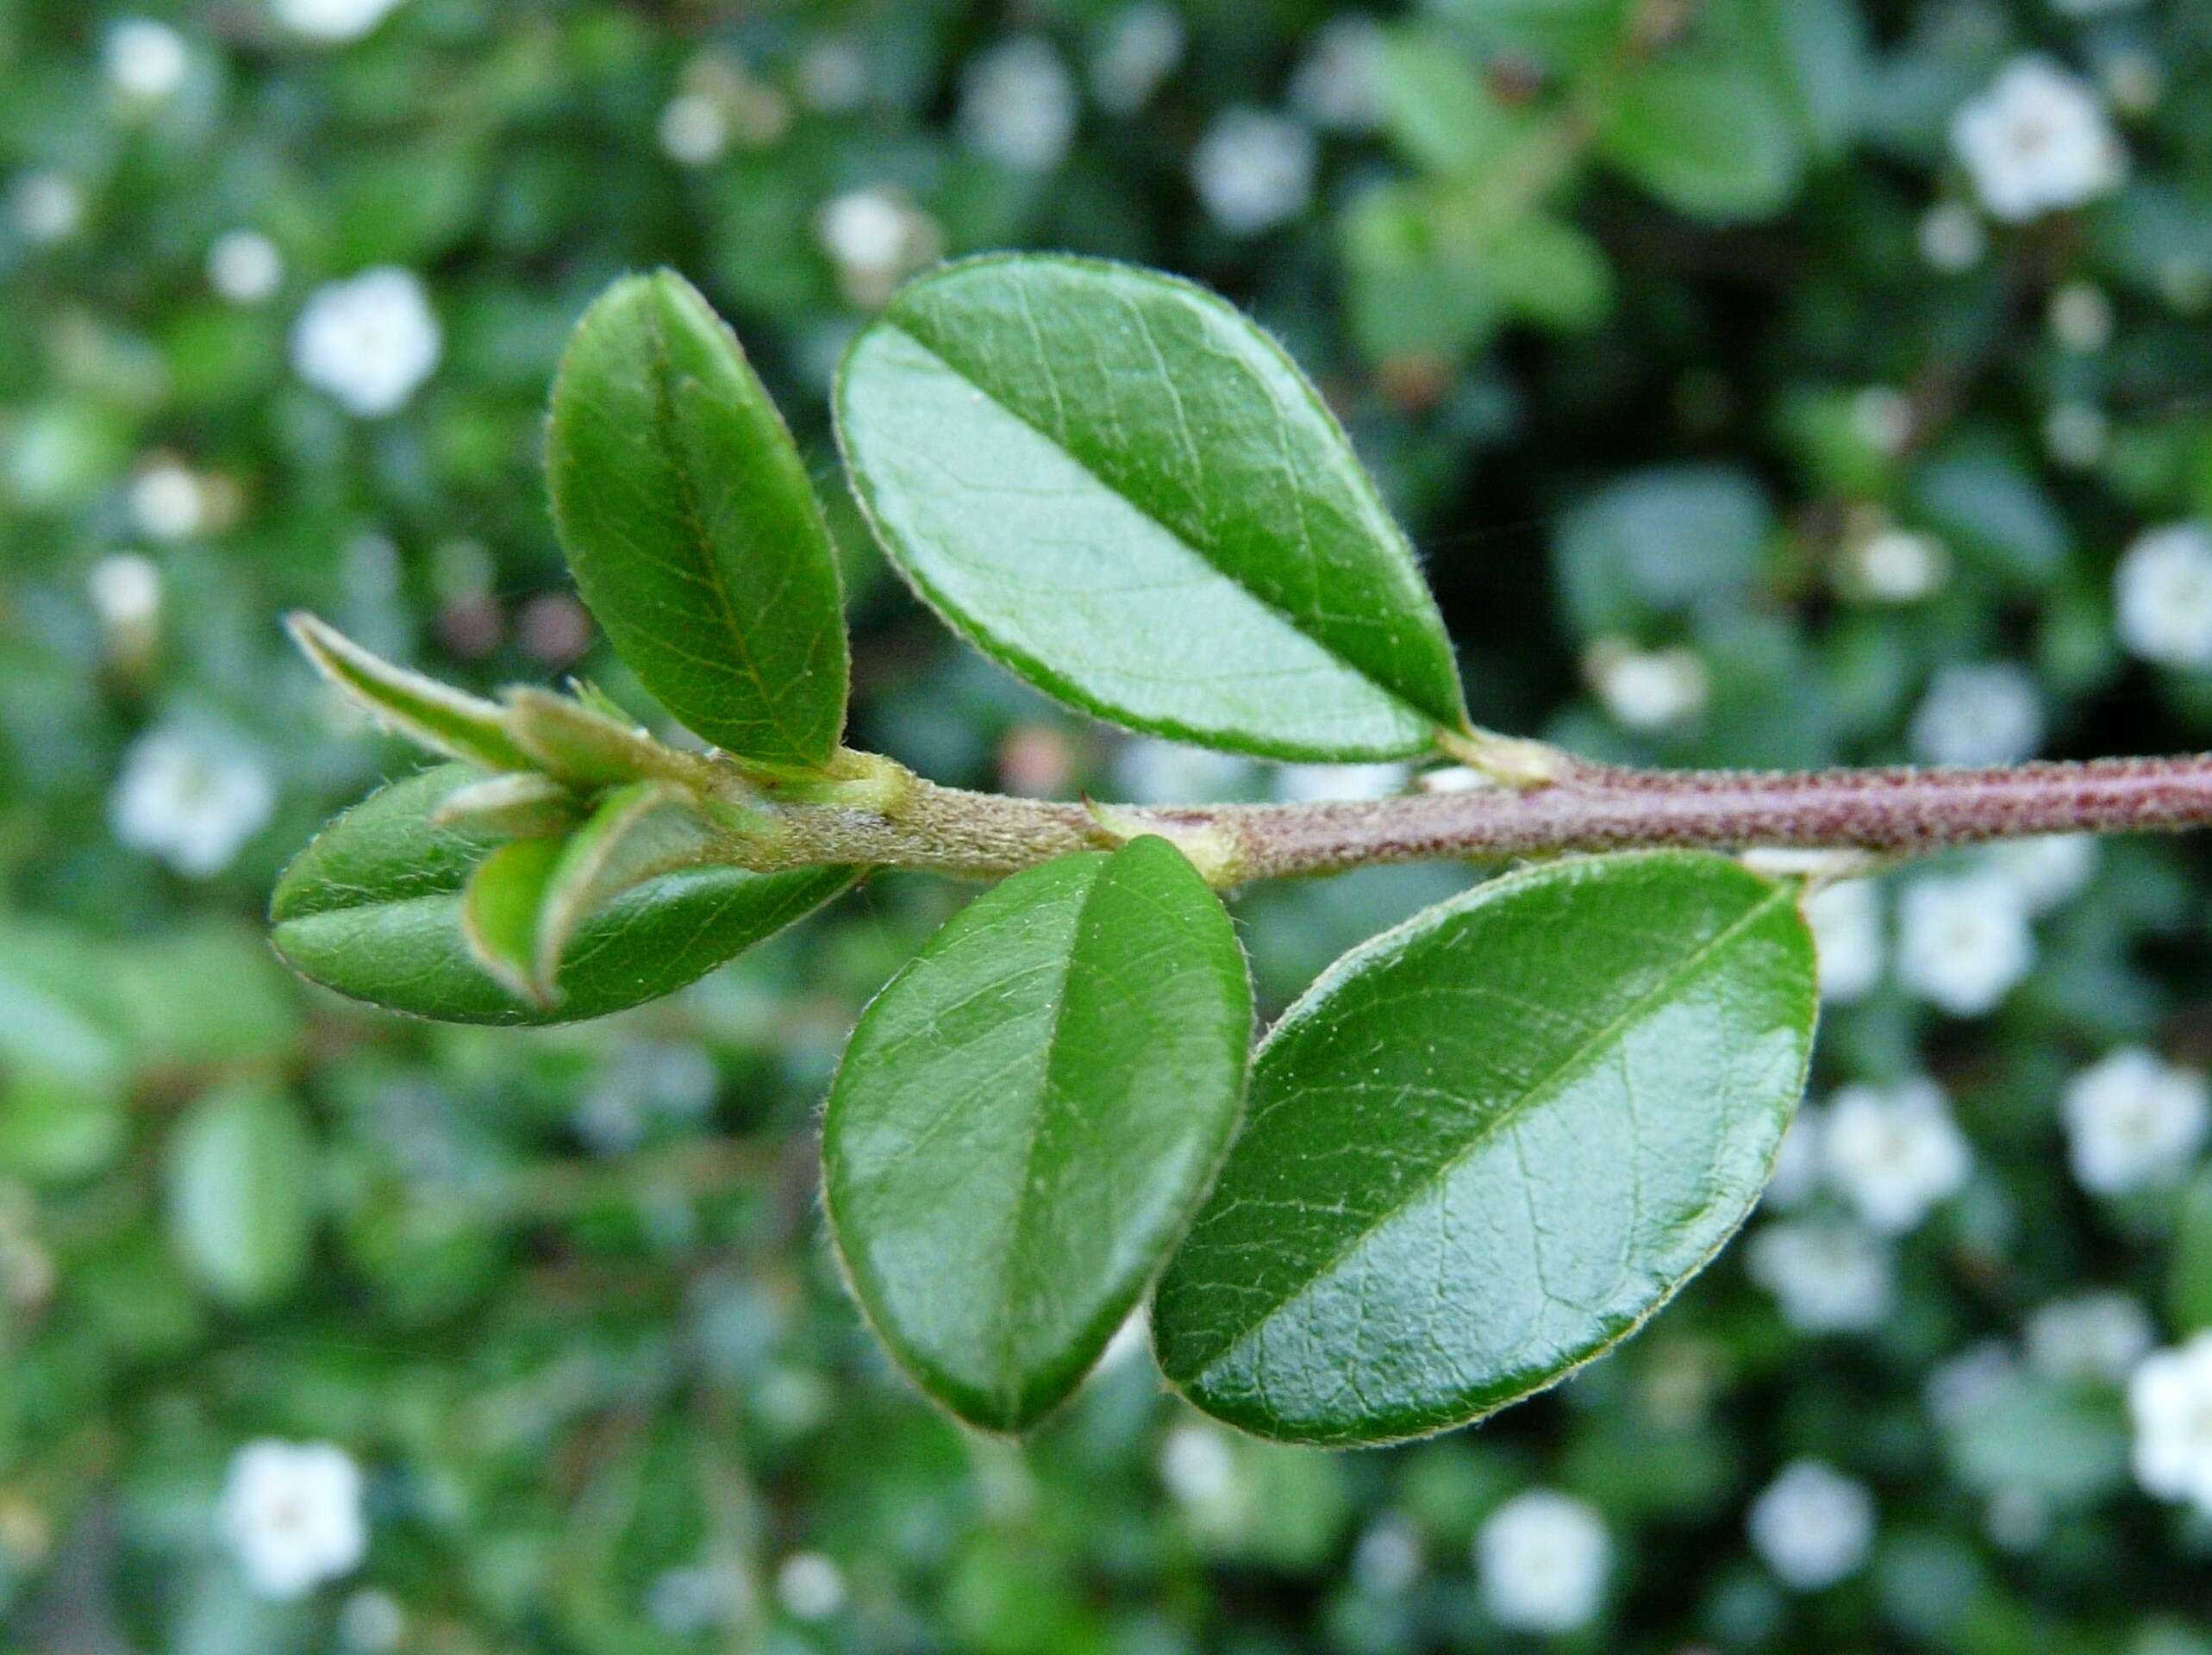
(242, 1179)
(1663, 541)
(1708, 138)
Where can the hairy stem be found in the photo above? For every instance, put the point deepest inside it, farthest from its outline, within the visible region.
(1588, 808)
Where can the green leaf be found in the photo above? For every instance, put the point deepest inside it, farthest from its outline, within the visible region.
(1812, 54)
(1115, 485)
(520, 804)
(2189, 1278)
(373, 909)
(1994, 509)
(1026, 1117)
(1670, 540)
(579, 743)
(436, 715)
(638, 833)
(1436, 107)
(500, 907)
(694, 532)
(1708, 138)
(1484, 1148)
(241, 1176)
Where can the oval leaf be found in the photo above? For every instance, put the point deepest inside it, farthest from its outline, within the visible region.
(1113, 484)
(500, 906)
(1484, 1148)
(241, 1180)
(1026, 1117)
(692, 527)
(373, 909)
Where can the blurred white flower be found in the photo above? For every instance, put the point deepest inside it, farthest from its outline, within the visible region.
(877, 238)
(1826, 1277)
(833, 76)
(2016, 1519)
(1796, 1172)
(372, 1622)
(2095, 1337)
(1309, 784)
(1847, 940)
(1982, 713)
(1963, 940)
(370, 342)
(1952, 237)
(1883, 417)
(1139, 49)
(2079, 316)
(2037, 141)
(1337, 85)
(1894, 1152)
(1895, 566)
(809, 1586)
(245, 267)
(1812, 1525)
(1196, 1465)
(332, 21)
(1646, 690)
(291, 1514)
(2133, 1120)
(1148, 770)
(1543, 1558)
(2162, 595)
(692, 130)
(1253, 170)
(2170, 1403)
(1959, 1389)
(2047, 870)
(2076, 434)
(126, 592)
(167, 502)
(146, 60)
(1018, 104)
(46, 207)
(1387, 1560)
(189, 799)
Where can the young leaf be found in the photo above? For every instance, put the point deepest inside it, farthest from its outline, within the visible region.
(580, 744)
(692, 527)
(438, 716)
(1485, 1147)
(1026, 1117)
(373, 909)
(500, 907)
(638, 833)
(1112, 483)
(520, 804)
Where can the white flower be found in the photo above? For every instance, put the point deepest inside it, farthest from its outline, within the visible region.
(245, 267)
(1847, 941)
(370, 342)
(1883, 417)
(1018, 104)
(2169, 1401)
(1958, 1389)
(2095, 1337)
(47, 207)
(2162, 595)
(1952, 237)
(291, 1513)
(2037, 141)
(692, 130)
(1986, 713)
(2076, 434)
(877, 238)
(1812, 1525)
(1387, 1560)
(1646, 690)
(1827, 1277)
(1148, 770)
(2047, 870)
(809, 1586)
(1196, 1465)
(1543, 1558)
(167, 502)
(2133, 1120)
(2079, 317)
(332, 21)
(1253, 170)
(146, 60)
(1796, 1172)
(833, 76)
(1141, 49)
(1897, 565)
(1894, 1152)
(126, 592)
(189, 799)
(1307, 784)
(1337, 85)
(1963, 940)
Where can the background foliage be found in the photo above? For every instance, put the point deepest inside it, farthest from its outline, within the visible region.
(1746, 409)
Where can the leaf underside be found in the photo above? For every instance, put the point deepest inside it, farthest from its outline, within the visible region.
(1115, 485)
(1025, 1118)
(1486, 1145)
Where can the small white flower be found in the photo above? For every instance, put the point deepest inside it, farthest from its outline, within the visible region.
(1962, 942)
(877, 238)
(2162, 595)
(2079, 316)
(1796, 1174)
(1960, 1389)
(692, 130)
(833, 76)
(2095, 1337)
(1148, 770)
(1253, 170)
(370, 342)
(1894, 1152)
(1196, 1466)
(1018, 104)
(2047, 872)
(167, 502)
(809, 1586)
(1387, 1561)
(1883, 417)
(1647, 689)
(245, 267)
(2133, 1120)
(126, 592)
(1337, 85)
(1895, 566)
(1848, 939)
(47, 207)
(1982, 713)
(2076, 434)
(190, 799)
(2170, 1403)
(291, 1514)
(1812, 1525)
(1826, 1277)
(1141, 49)
(1952, 237)
(2037, 141)
(146, 60)
(332, 21)
(1309, 784)
(1543, 1558)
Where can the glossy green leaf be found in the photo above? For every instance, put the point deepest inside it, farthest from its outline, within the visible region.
(240, 1193)
(373, 909)
(638, 833)
(1484, 1148)
(694, 532)
(434, 714)
(1026, 1117)
(500, 907)
(1113, 484)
